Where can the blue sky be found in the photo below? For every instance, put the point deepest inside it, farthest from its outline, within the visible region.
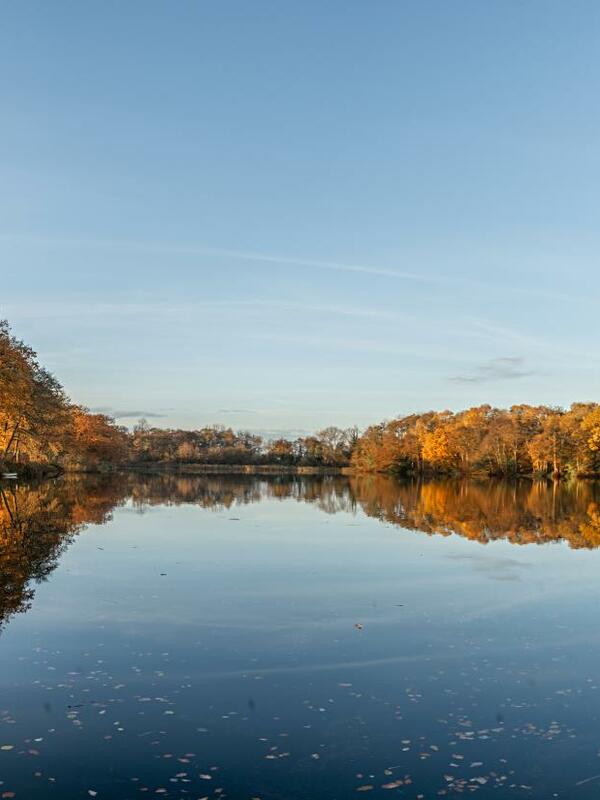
(282, 215)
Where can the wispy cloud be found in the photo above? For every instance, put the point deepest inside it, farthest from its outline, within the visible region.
(126, 414)
(445, 353)
(202, 250)
(136, 308)
(498, 369)
(335, 266)
(344, 311)
(549, 348)
(450, 278)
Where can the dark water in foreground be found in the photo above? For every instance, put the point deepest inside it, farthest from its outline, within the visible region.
(212, 637)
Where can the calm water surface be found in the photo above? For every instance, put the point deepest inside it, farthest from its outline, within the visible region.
(206, 637)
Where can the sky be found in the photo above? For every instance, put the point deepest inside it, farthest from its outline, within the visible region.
(279, 215)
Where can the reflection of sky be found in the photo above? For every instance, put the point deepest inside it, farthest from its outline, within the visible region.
(273, 207)
(250, 634)
(284, 571)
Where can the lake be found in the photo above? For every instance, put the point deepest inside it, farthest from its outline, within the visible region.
(248, 637)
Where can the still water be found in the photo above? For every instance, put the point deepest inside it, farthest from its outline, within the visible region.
(208, 637)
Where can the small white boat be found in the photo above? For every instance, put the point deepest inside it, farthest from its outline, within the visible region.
(9, 475)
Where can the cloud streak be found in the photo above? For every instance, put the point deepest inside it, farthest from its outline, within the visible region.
(131, 309)
(219, 252)
(498, 369)
(126, 414)
(450, 279)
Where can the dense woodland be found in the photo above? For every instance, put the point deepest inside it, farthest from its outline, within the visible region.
(39, 425)
(522, 440)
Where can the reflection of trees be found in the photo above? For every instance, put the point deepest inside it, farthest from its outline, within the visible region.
(38, 522)
(522, 512)
(330, 493)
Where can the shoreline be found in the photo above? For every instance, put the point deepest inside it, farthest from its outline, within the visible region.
(236, 469)
(45, 472)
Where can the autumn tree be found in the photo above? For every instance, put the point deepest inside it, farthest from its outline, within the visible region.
(97, 439)
(280, 451)
(521, 440)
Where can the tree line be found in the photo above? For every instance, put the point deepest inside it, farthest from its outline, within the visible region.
(522, 440)
(217, 444)
(40, 425)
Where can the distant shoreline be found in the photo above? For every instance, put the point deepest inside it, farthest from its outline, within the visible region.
(49, 471)
(236, 469)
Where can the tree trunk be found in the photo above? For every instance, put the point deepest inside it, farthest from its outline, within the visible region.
(11, 440)
(555, 467)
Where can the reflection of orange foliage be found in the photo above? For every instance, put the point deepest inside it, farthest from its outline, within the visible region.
(521, 512)
(37, 523)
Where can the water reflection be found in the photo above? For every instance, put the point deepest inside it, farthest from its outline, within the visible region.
(522, 513)
(38, 522)
(267, 637)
